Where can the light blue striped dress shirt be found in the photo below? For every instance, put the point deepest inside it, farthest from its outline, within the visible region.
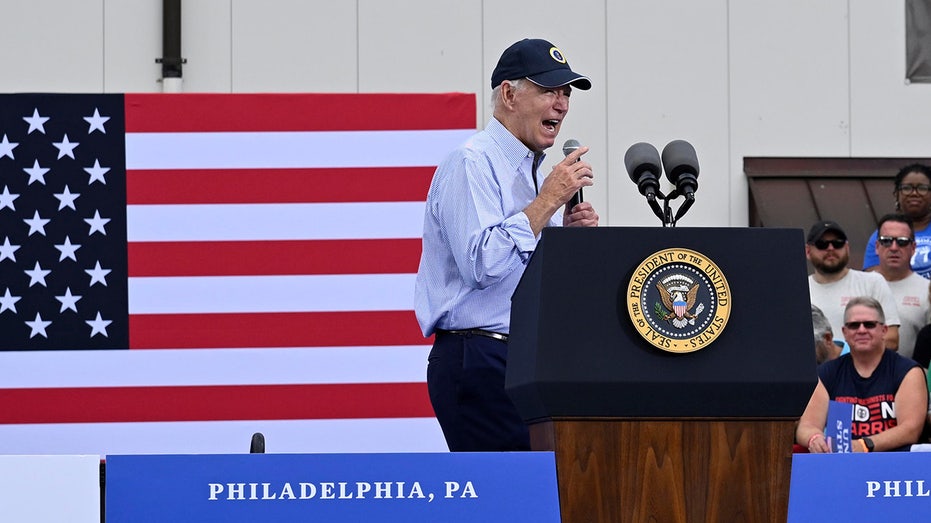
(476, 238)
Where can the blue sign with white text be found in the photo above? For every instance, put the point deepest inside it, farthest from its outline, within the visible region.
(837, 429)
(881, 486)
(447, 487)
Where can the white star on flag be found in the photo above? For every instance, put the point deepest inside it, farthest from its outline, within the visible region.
(36, 122)
(36, 173)
(6, 148)
(65, 147)
(68, 301)
(66, 198)
(8, 301)
(96, 223)
(96, 173)
(97, 274)
(7, 250)
(67, 250)
(96, 122)
(37, 275)
(99, 325)
(6, 198)
(38, 326)
(36, 224)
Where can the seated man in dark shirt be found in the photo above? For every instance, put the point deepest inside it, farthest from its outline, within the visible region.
(888, 391)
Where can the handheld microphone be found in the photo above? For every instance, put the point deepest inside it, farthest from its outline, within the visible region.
(644, 168)
(568, 148)
(258, 444)
(681, 165)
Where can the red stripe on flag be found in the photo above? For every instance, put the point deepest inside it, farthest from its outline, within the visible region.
(285, 257)
(376, 184)
(214, 403)
(284, 329)
(152, 112)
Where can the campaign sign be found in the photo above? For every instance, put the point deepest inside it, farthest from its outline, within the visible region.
(448, 487)
(880, 486)
(837, 429)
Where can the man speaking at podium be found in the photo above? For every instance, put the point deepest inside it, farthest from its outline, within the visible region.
(484, 214)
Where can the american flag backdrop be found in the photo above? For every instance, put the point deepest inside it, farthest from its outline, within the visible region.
(180, 271)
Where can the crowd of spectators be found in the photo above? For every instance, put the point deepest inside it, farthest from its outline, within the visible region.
(882, 313)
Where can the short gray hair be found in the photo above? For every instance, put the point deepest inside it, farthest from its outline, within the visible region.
(496, 92)
(866, 301)
(820, 324)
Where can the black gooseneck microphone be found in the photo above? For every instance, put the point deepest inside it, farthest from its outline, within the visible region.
(258, 444)
(644, 168)
(568, 148)
(681, 165)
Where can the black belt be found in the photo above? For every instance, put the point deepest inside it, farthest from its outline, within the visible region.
(476, 332)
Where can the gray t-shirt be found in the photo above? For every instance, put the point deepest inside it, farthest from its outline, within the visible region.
(911, 300)
(832, 297)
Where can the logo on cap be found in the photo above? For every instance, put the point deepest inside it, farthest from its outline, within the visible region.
(557, 55)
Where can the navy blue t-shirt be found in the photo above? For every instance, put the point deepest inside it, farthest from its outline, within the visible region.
(874, 397)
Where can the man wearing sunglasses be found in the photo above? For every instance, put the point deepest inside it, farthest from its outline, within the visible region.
(895, 246)
(888, 391)
(833, 283)
(912, 191)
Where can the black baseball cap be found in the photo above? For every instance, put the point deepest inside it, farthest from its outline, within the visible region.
(540, 62)
(819, 228)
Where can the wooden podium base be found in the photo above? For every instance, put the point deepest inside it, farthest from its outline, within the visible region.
(678, 470)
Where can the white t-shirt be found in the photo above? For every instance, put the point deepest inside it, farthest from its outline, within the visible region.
(911, 300)
(832, 297)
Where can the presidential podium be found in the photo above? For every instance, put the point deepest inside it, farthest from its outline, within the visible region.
(666, 368)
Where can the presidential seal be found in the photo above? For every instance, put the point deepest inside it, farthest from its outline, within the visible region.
(678, 300)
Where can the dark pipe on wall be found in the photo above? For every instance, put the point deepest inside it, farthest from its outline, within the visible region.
(171, 39)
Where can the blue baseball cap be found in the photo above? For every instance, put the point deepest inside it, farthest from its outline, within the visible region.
(540, 62)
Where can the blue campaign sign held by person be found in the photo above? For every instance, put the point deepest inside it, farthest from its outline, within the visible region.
(837, 429)
(448, 487)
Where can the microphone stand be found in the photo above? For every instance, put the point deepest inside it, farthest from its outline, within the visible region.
(665, 214)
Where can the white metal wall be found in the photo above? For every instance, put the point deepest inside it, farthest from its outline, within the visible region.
(735, 77)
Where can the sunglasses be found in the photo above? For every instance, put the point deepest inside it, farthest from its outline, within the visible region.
(922, 188)
(855, 325)
(823, 244)
(901, 241)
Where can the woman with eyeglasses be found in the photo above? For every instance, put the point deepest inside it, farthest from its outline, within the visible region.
(913, 199)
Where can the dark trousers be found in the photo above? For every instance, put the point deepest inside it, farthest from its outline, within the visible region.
(465, 377)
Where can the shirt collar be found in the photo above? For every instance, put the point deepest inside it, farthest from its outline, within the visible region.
(515, 152)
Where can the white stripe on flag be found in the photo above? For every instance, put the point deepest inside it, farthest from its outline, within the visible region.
(242, 150)
(225, 437)
(265, 366)
(236, 294)
(299, 221)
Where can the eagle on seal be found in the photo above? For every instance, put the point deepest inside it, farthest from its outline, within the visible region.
(678, 305)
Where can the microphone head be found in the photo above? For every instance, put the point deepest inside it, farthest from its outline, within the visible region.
(679, 159)
(258, 444)
(642, 158)
(570, 146)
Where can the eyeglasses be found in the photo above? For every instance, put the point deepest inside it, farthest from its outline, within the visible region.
(823, 244)
(901, 241)
(922, 188)
(855, 325)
